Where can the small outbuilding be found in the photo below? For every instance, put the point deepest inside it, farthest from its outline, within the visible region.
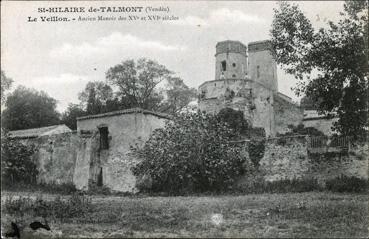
(104, 155)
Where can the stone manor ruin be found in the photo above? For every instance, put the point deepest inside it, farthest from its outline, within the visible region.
(98, 153)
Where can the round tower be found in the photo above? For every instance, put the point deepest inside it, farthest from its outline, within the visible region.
(230, 60)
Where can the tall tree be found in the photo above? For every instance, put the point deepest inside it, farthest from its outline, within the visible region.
(137, 82)
(95, 97)
(28, 108)
(178, 95)
(94, 105)
(69, 117)
(102, 91)
(339, 53)
(5, 85)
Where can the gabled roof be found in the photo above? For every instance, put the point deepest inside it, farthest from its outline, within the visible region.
(37, 132)
(122, 112)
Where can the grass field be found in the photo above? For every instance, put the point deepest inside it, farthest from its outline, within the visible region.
(263, 215)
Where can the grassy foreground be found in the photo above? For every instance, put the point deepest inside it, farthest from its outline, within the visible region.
(263, 215)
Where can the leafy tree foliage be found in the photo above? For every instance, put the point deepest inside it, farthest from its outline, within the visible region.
(235, 121)
(69, 117)
(96, 96)
(5, 85)
(137, 82)
(137, 86)
(191, 153)
(256, 149)
(17, 165)
(339, 55)
(28, 108)
(178, 95)
(308, 104)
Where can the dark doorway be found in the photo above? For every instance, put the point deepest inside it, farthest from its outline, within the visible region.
(100, 178)
(104, 138)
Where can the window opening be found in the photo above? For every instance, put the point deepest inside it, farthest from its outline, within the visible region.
(234, 64)
(104, 138)
(224, 65)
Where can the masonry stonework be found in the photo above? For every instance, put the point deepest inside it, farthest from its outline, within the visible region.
(55, 157)
(322, 124)
(286, 113)
(290, 160)
(251, 88)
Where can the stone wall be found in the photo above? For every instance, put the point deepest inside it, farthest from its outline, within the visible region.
(286, 113)
(55, 157)
(322, 124)
(87, 154)
(288, 159)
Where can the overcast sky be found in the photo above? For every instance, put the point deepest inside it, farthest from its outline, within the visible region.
(61, 57)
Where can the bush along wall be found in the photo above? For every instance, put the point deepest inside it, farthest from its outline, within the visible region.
(17, 164)
(192, 153)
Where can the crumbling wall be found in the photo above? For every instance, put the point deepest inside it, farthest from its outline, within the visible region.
(286, 113)
(252, 98)
(55, 157)
(289, 158)
(322, 124)
(285, 160)
(87, 153)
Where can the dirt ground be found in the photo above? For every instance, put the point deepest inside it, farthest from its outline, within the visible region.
(317, 214)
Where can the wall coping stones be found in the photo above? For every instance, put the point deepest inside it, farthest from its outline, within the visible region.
(121, 112)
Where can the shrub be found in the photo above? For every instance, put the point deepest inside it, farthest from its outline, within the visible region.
(191, 153)
(93, 189)
(17, 165)
(256, 151)
(64, 188)
(345, 183)
(235, 121)
(257, 184)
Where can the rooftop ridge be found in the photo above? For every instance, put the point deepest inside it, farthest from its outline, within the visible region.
(33, 132)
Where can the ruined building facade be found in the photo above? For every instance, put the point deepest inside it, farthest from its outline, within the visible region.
(246, 80)
(98, 153)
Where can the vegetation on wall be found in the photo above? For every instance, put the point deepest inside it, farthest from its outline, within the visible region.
(17, 165)
(235, 121)
(256, 151)
(191, 153)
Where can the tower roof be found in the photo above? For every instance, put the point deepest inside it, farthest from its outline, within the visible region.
(230, 46)
(260, 45)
